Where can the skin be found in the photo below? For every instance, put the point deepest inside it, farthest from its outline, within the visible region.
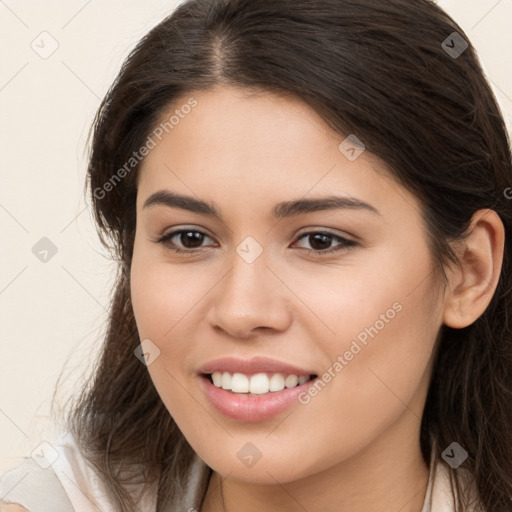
(355, 446)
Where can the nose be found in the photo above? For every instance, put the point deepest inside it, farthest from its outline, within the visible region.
(250, 298)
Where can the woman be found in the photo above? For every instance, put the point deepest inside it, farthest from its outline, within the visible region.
(310, 206)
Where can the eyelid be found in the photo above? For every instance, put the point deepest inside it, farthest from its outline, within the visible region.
(345, 243)
(326, 231)
(307, 230)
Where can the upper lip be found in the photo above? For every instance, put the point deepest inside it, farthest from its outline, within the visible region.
(252, 366)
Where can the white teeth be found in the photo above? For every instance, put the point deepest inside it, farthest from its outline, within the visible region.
(276, 382)
(226, 380)
(240, 383)
(217, 379)
(291, 381)
(257, 384)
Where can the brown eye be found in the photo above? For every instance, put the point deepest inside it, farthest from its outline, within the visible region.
(320, 242)
(189, 239)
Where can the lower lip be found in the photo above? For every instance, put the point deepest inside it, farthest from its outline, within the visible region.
(254, 408)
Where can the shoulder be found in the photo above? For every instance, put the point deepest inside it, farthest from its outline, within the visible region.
(58, 477)
(30, 487)
(37, 484)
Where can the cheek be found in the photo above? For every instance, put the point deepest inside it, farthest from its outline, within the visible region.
(385, 326)
(162, 299)
(162, 295)
(169, 302)
(385, 291)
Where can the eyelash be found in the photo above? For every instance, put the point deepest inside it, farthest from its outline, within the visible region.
(346, 244)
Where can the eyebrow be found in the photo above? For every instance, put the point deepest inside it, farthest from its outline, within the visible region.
(280, 211)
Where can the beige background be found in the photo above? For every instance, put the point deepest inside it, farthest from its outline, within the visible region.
(52, 314)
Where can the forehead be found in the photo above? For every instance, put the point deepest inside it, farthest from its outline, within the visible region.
(248, 123)
(253, 147)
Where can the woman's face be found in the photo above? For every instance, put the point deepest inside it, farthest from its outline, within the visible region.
(256, 281)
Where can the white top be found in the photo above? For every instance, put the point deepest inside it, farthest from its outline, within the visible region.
(57, 478)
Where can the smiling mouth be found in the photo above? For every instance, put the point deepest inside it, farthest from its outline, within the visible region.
(258, 383)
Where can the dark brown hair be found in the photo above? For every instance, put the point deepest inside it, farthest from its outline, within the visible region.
(379, 70)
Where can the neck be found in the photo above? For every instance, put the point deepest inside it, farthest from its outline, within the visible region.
(388, 474)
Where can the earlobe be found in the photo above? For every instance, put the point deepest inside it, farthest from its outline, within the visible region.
(473, 283)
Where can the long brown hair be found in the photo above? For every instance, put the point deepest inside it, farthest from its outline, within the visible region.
(385, 71)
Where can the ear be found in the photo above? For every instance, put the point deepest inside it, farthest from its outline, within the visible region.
(473, 283)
